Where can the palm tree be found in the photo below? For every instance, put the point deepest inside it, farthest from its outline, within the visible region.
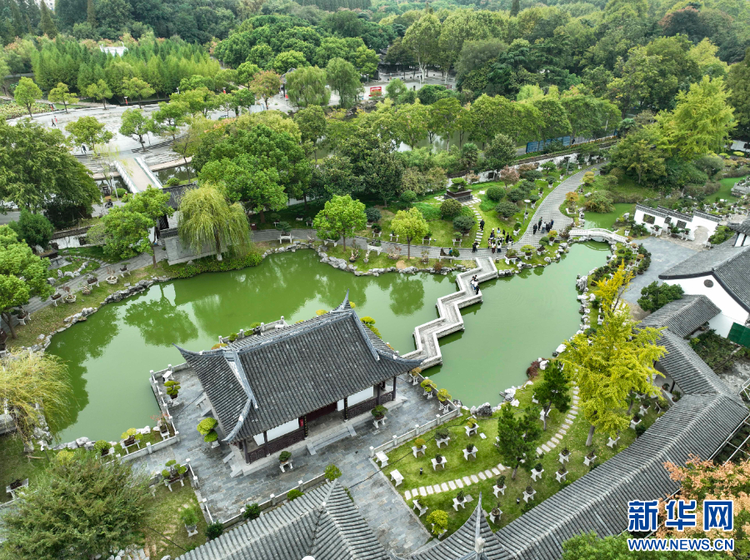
(207, 217)
(37, 394)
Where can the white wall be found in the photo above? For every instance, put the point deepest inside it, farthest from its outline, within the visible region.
(356, 398)
(278, 431)
(731, 311)
(692, 224)
(742, 240)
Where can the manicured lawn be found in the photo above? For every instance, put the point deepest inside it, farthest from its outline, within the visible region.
(725, 192)
(166, 534)
(488, 457)
(15, 465)
(93, 252)
(627, 190)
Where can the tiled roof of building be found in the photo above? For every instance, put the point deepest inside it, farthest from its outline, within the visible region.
(323, 523)
(698, 424)
(683, 316)
(265, 381)
(741, 227)
(729, 265)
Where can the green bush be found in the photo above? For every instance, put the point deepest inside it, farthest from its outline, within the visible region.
(721, 234)
(172, 182)
(450, 208)
(209, 264)
(332, 472)
(496, 194)
(601, 202)
(293, 494)
(506, 209)
(214, 531)
(121, 192)
(189, 516)
(252, 511)
(206, 425)
(211, 437)
(532, 174)
(373, 214)
(408, 197)
(655, 296)
(285, 456)
(463, 223)
(101, 446)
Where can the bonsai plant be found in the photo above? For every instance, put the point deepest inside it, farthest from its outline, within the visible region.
(379, 412)
(438, 458)
(443, 395)
(129, 437)
(442, 434)
(538, 467)
(562, 470)
(284, 456)
(102, 447)
(428, 385)
(501, 481)
(173, 388)
(419, 443)
(174, 471)
(69, 297)
(565, 451)
(111, 278)
(206, 429)
(189, 518)
(529, 490)
(252, 511)
(460, 496)
(471, 423)
(527, 250)
(470, 448)
(512, 253)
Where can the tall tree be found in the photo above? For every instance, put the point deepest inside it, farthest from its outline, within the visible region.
(111, 502)
(312, 125)
(34, 229)
(136, 125)
(422, 39)
(36, 390)
(307, 87)
(553, 390)
(22, 275)
(642, 152)
(501, 151)
(135, 88)
(88, 131)
(515, 7)
(344, 79)
(123, 233)
(26, 94)
(206, 218)
(738, 81)
(615, 361)
(517, 435)
(443, 118)
(265, 85)
(410, 224)
(100, 91)
(170, 117)
(412, 122)
(62, 94)
(48, 26)
(91, 14)
(341, 216)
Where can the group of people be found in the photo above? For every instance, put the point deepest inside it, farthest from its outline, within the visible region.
(496, 240)
(474, 283)
(543, 227)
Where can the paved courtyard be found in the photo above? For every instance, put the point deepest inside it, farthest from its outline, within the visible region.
(382, 507)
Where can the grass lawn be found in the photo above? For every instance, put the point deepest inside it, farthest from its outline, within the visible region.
(75, 263)
(50, 318)
(15, 465)
(487, 457)
(166, 534)
(725, 192)
(93, 252)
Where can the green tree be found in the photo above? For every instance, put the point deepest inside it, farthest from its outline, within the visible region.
(617, 360)
(517, 435)
(136, 125)
(135, 88)
(199, 100)
(62, 95)
(412, 122)
(553, 390)
(22, 275)
(26, 94)
(655, 296)
(265, 85)
(37, 169)
(47, 24)
(366, 60)
(246, 72)
(249, 180)
(515, 7)
(34, 229)
(170, 117)
(91, 14)
(28, 381)
(312, 125)
(111, 501)
(411, 225)
(88, 131)
(501, 151)
(100, 91)
(344, 79)
(123, 233)
(288, 60)
(242, 99)
(153, 204)
(307, 87)
(642, 152)
(738, 81)
(422, 39)
(443, 118)
(207, 218)
(341, 217)
(701, 121)
(395, 88)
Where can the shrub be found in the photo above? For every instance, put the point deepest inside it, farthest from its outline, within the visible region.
(532, 174)
(131, 432)
(121, 192)
(419, 442)
(721, 234)
(284, 456)
(458, 184)
(528, 249)
(189, 516)
(450, 208)
(443, 395)
(428, 385)
(438, 519)
(463, 223)
(254, 258)
(601, 202)
(495, 194)
(214, 531)
(293, 494)
(379, 411)
(211, 437)
(252, 511)
(407, 197)
(506, 209)
(640, 429)
(206, 425)
(373, 214)
(442, 434)
(101, 446)
(655, 296)
(553, 233)
(544, 241)
(517, 194)
(173, 388)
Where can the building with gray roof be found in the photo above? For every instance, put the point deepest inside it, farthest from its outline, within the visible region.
(266, 389)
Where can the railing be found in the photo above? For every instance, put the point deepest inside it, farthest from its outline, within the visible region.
(274, 500)
(125, 177)
(417, 430)
(150, 174)
(598, 232)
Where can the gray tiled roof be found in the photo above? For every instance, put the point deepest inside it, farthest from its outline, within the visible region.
(742, 227)
(683, 316)
(324, 524)
(729, 265)
(290, 372)
(698, 424)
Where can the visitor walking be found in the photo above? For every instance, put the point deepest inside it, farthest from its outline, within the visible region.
(52, 121)
(540, 222)
(494, 246)
(474, 247)
(481, 225)
(492, 233)
(535, 229)
(507, 238)
(551, 224)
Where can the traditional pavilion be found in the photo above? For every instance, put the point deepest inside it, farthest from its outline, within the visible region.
(265, 389)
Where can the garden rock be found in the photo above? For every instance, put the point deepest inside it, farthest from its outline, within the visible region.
(51, 281)
(484, 410)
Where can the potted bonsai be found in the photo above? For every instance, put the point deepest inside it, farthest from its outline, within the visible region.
(102, 447)
(552, 235)
(69, 297)
(589, 459)
(635, 421)
(56, 296)
(173, 388)
(111, 277)
(92, 280)
(124, 267)
(564, 455)
(438, 459)
(189, 518)
(561, 473)
(415, 375)
(206, 429)
(512, 255)
(530, 491)
(537, 470)
(284, 458)
(471, 450)
(420, 446)
(527, 250)
(173, 472)
(429, 386)
(442, 435)
(501, 482)
(495, 513)
(460, 497)
(379, 412)
(443, 395)
(130, 437)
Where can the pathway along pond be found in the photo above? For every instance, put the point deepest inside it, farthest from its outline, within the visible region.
(109, 356)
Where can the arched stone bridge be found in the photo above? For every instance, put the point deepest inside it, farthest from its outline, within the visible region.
(598, 234)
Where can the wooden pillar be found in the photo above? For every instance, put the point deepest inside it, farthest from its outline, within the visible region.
(265, 443)
(304, 424)
(346, 408)
(394, 388)
(377, 394)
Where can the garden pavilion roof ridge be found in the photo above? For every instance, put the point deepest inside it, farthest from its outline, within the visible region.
(684, 315)
(704, 262)
(741, 227)
(323, 523)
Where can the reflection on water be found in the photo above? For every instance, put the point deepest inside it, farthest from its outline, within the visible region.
(182, 172)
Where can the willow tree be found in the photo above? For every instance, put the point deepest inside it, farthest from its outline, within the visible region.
(616, 360)
(37, 394)
(206, 218)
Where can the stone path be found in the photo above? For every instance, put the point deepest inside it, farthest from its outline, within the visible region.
(549, 209)
(567, 423)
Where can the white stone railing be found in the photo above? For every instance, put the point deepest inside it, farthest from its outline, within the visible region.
(598, 233)
(417, 430)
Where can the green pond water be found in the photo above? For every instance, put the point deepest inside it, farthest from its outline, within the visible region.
(606, 221)
(110, 355)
